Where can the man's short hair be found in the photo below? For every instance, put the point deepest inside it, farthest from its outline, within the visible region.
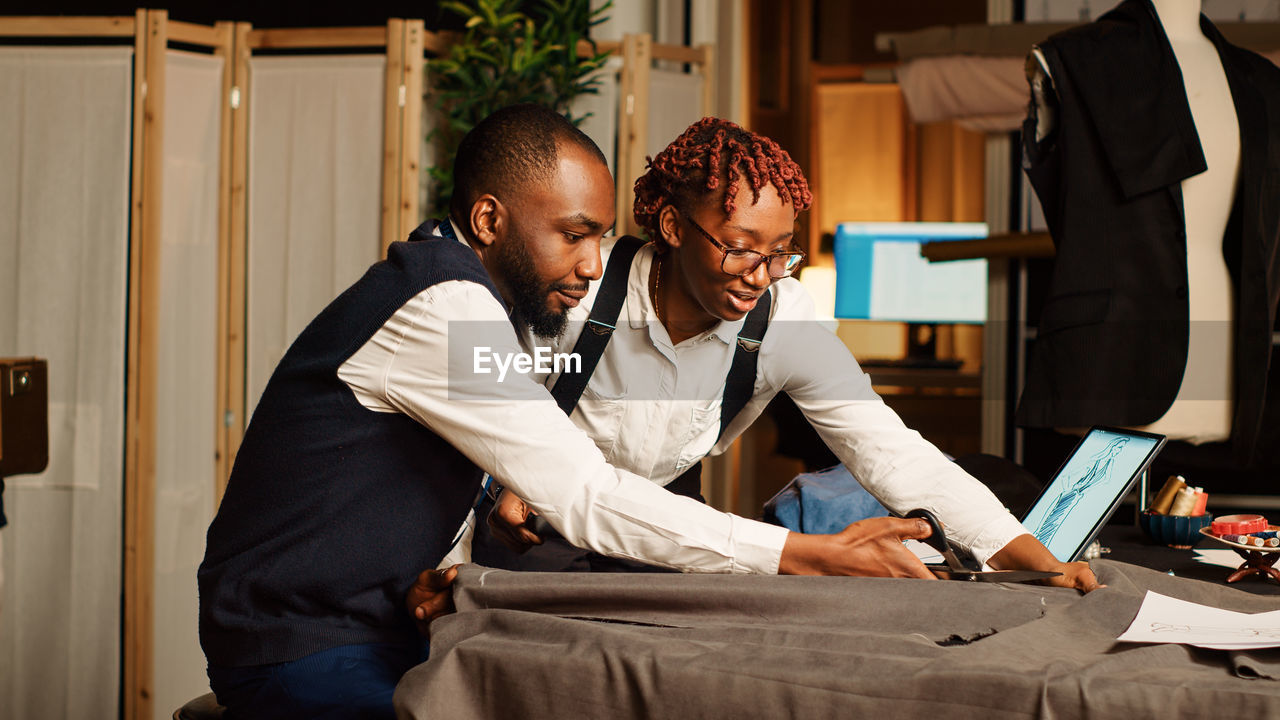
(513, 147)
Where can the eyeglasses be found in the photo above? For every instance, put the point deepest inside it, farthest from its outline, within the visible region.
(740, 262)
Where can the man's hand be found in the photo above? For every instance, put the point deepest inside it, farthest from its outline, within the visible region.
(431, 596)
(1026, 553)
(507, 522)
(871, 548)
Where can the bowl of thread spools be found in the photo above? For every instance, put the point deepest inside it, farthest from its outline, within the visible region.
(1177, 515)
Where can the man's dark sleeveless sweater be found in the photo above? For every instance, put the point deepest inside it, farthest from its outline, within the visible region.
(333, 509)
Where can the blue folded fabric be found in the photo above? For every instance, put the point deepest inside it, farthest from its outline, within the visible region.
(826, 501)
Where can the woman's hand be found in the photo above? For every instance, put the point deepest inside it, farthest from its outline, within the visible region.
(1026, 553)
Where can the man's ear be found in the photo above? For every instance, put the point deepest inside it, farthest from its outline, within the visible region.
(669, 225)
(487, 219)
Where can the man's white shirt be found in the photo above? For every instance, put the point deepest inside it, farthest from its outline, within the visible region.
(526, 442)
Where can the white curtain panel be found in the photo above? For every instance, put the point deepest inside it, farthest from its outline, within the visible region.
(64, 213)
(315, 193)
(187, 370)
(601, 109)
(675, 103)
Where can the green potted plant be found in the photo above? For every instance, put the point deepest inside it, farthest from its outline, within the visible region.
(506, 56)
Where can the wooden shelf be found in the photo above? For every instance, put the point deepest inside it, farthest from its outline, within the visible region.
(1012, 245)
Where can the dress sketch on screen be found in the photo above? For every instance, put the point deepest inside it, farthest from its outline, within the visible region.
(1099, 472)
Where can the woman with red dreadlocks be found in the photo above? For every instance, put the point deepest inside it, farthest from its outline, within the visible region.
(711, 293)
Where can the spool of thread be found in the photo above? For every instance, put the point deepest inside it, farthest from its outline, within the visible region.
(1184, 503)
(1202, 502)
(1164, 498)
(1273, 542)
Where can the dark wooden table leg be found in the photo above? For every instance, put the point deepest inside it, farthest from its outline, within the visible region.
(1255, 563)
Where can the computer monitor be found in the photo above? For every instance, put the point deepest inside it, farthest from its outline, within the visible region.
(881, 275)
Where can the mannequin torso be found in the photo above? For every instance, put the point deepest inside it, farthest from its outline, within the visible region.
(1203, 409)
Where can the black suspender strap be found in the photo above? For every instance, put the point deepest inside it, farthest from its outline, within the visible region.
(741, 380)
(595, 337)
(600, 324)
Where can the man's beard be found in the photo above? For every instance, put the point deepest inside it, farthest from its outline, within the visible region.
(528, 293)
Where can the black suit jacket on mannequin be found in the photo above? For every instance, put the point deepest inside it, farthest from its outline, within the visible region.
(1112, 341)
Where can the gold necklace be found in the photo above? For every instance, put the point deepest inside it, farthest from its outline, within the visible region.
(657, 285)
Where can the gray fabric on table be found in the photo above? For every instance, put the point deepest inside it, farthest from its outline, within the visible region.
(535, 645)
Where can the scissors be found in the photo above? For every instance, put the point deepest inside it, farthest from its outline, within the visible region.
(956, 570)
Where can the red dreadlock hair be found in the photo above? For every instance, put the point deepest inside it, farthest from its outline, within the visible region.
(715, 156)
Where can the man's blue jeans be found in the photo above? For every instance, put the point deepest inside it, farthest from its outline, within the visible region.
(351, 681)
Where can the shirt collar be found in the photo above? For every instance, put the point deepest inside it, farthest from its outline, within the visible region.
(444, 228)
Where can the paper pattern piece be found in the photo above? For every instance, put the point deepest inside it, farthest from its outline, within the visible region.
(1163, 619)
(1224, 558)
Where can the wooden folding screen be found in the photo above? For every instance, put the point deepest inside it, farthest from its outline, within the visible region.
(638, 113)
(150, 33)
(184, 148)
(268, 325)
(165, 312)
(65, 169)
(170, 310)
(403, 41)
